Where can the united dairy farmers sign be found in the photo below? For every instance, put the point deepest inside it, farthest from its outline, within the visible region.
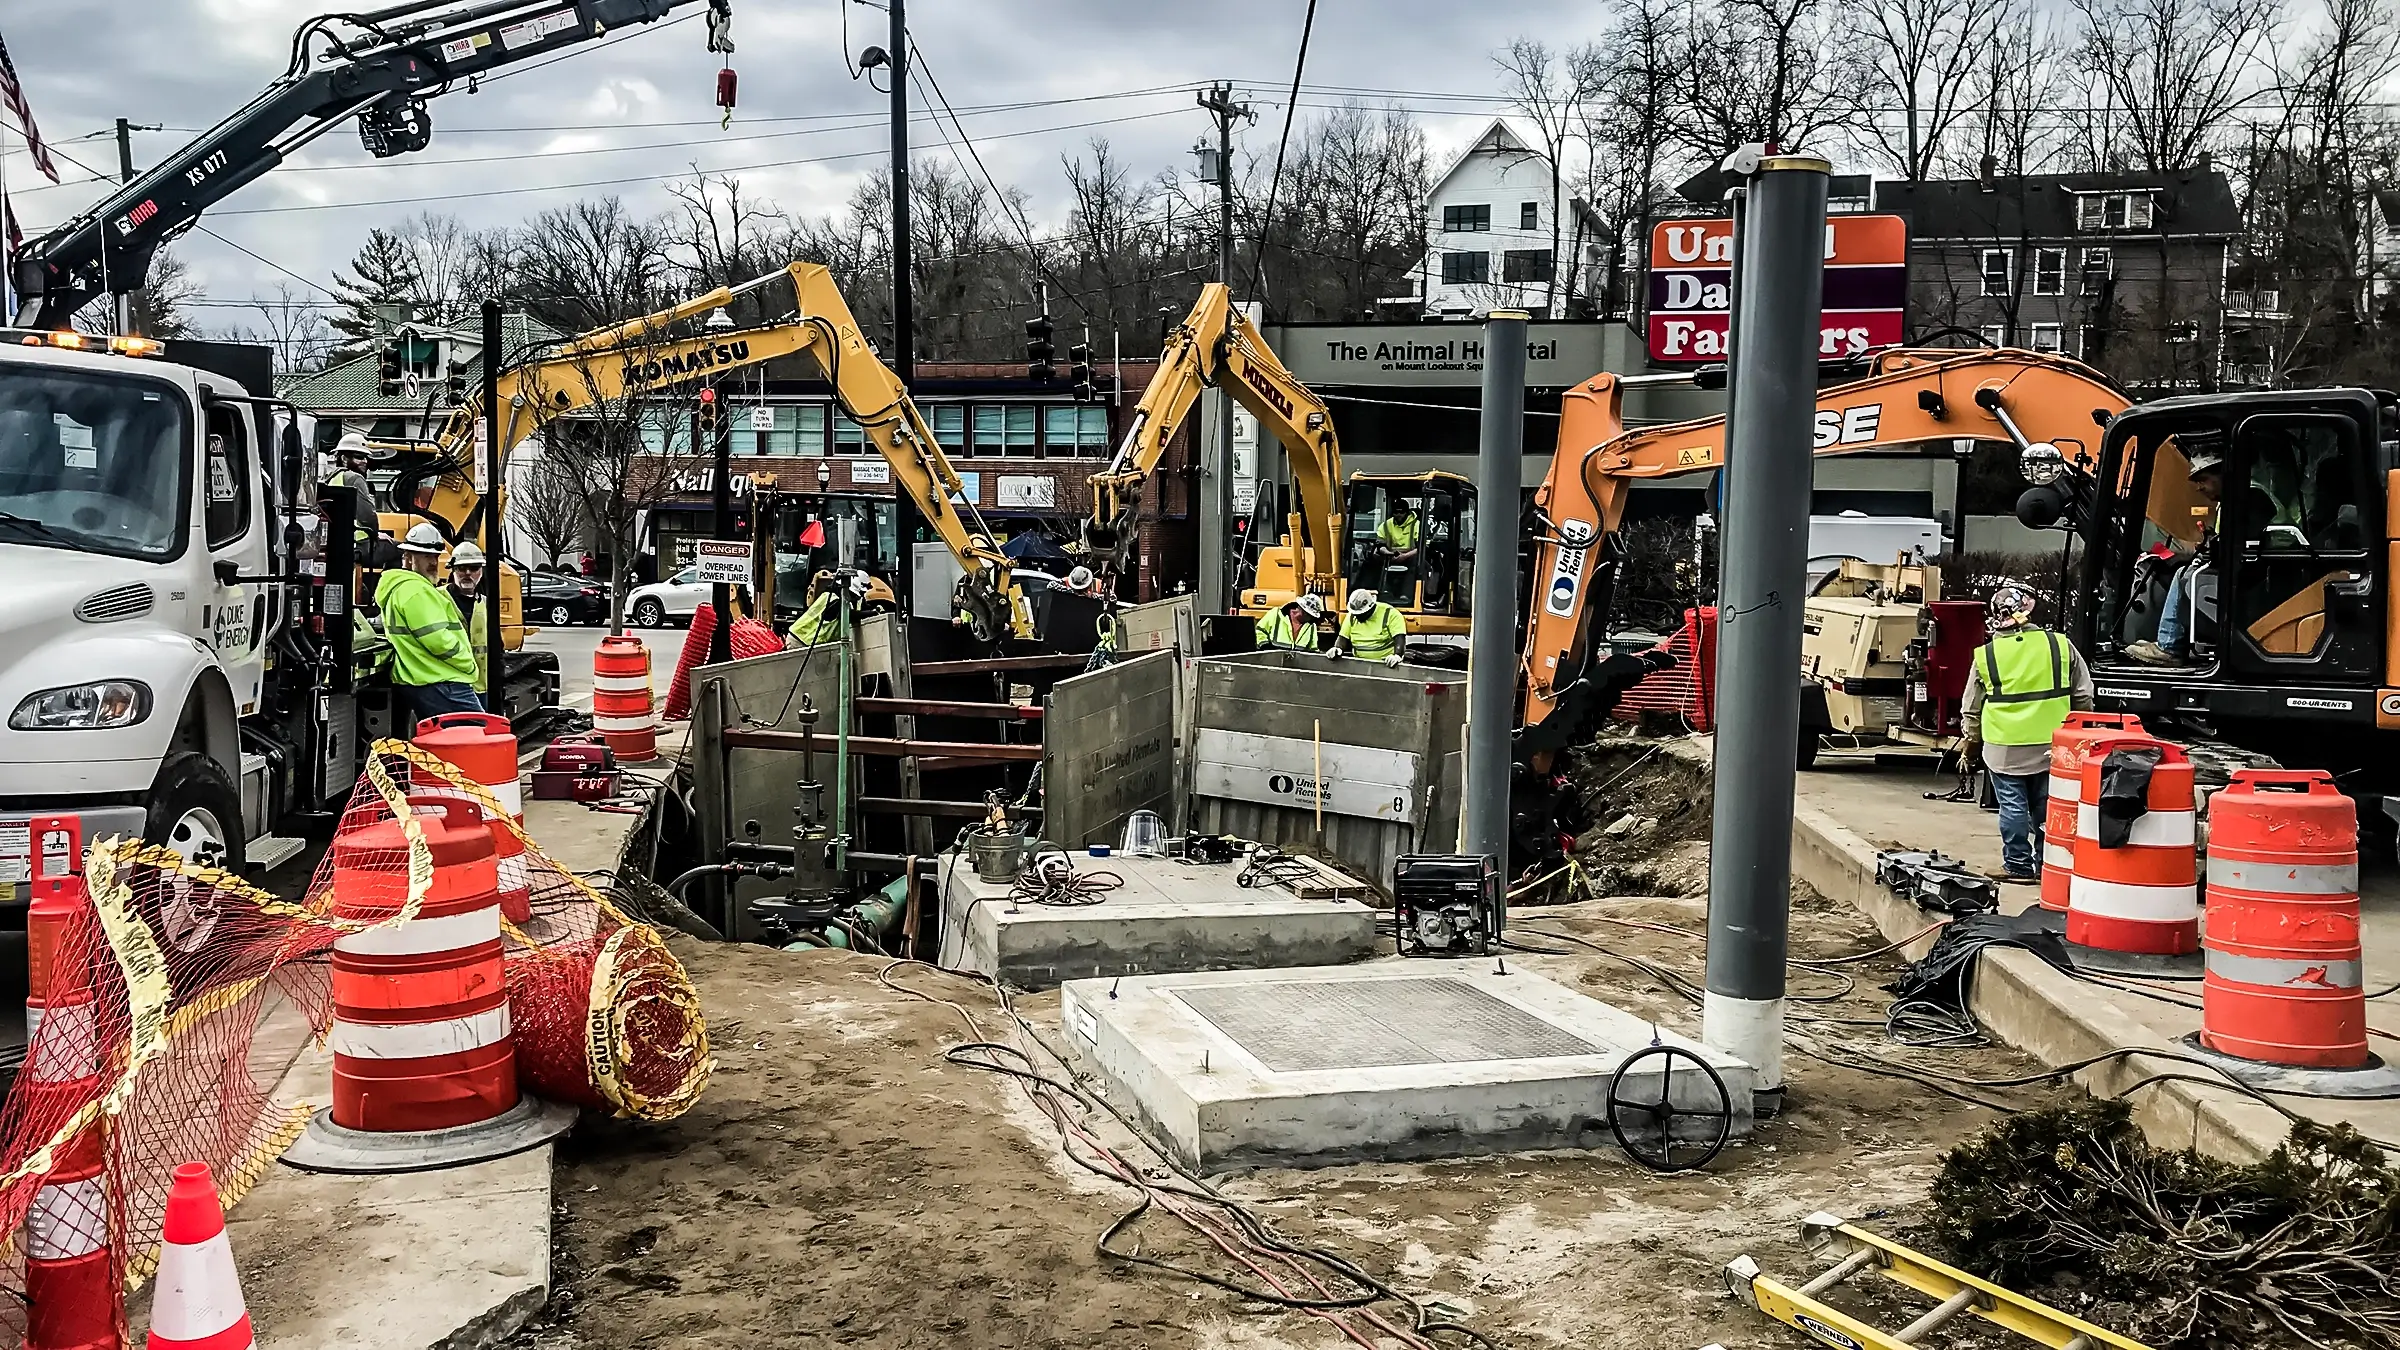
(1691, 287)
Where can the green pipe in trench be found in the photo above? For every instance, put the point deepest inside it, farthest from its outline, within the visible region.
(879, 914)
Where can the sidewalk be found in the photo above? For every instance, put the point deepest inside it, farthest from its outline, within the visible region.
(1849, 808)
(448, 1260)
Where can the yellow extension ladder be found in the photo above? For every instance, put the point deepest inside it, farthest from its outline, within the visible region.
(1854, 1249)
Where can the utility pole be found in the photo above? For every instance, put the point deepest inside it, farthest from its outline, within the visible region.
(494, 547)
(904, 307)
(124, 299)
(1769, 463)
(1492, 660)
(1216, 462)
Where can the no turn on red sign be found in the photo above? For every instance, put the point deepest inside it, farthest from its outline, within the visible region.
(1691, 287)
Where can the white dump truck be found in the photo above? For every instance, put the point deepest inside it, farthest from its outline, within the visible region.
(173, 663)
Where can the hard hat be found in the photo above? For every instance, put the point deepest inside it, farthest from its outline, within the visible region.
(2206, 461)
(466, 555)
(351, 443)
(2010, 605)
(1361, 600)
(1079, 578)
(1311, 607)
(860, 584)
(422, 537)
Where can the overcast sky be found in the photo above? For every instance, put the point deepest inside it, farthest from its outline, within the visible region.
(804, 132)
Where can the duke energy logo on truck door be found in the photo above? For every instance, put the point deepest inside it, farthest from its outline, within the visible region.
(1566, 574)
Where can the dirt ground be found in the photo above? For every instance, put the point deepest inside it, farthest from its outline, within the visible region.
(840, 1183)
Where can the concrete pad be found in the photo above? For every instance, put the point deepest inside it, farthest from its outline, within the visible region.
(1169, 916)
(1391, 1060)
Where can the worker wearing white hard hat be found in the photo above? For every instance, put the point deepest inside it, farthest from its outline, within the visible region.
(466, 592)
(1291, 626)
(350, 457)
(1080, 581)
(434, 670)
(1372, 630)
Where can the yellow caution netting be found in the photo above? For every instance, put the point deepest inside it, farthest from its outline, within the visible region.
(202, 988)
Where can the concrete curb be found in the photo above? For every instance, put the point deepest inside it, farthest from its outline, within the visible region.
(2027, 1004)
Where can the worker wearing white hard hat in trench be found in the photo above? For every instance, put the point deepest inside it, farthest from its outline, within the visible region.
(1372, 630)
(466, 592)
(1294, 626)
(433, 660)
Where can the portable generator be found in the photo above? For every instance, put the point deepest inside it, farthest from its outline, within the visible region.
(1447, 904)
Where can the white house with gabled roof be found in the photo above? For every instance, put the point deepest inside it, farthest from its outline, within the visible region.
(1488, 231)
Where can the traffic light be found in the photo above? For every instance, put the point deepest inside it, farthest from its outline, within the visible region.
(1038, 350)
(708, 410)
(1079, 371)
(457, 383)
(387, 370)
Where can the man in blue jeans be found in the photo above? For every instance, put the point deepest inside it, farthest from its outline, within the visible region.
(2020, 689)
(2174, 627)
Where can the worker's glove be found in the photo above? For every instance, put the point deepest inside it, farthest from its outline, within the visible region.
(1393, 660)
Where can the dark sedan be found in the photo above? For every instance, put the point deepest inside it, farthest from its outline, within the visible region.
(559, 600)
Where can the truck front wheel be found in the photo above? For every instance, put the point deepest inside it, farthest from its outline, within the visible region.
(195, 811)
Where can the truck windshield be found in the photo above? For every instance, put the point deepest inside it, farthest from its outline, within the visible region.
(91, 461)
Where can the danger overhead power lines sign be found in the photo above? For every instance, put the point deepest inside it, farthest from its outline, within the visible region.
(1691, 287)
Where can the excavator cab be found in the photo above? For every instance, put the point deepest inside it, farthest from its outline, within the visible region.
(1412, 539)
(2236, 567)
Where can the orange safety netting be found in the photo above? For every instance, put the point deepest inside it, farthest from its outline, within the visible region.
(203, 987)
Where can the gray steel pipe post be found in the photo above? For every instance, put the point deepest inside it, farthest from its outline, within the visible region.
(1492, 685)
(1769, 463)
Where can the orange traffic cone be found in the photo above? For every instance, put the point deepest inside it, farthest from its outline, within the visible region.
(198, 1303)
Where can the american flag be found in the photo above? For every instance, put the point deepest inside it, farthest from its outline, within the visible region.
(12, 98)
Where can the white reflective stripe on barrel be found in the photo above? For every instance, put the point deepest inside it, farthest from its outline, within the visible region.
(72, 1052)
(2151, 829)
(2280, 972)
(622, 684)
(510, 795)
(2125, 900)
(2058, 855)
(209, 1301)
(425, 934)
(2250, 874)
(420, 1040)
(2063, 787)
(69, 1219)
(642, 723)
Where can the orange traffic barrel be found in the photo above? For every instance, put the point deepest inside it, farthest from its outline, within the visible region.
(420, 1020)
(622, 711)
(2141, 896)
(2066, 796)
(483, 747)
(2284, 979)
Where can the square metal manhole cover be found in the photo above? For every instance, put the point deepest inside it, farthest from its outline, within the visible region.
(1296, 1026)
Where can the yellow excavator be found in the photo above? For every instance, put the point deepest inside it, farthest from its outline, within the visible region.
(646, 355)
(1329, 543)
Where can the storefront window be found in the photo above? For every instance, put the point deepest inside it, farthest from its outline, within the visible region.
(1077, 430)
(949, 422)
(1007, 429)
(808, 429)
(849, 438)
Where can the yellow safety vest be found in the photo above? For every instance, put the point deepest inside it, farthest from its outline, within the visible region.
(1277, 632)
(1400, 534)
(2028, 687)
(814, 625)
(1378, 635)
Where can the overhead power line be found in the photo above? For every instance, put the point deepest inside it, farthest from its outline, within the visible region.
(1258, 250)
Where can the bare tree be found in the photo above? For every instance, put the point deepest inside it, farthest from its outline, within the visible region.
(1550, 90)
(2173, 71)
(623, 450)
(721, 236)
(294, 327)
(1762, 70)
(547, 501)
(590, 264)
(1627, 129)
(2013, 116)
(1916, 80)
(1350, 220)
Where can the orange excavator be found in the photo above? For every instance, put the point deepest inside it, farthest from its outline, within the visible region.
(2027, 399)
